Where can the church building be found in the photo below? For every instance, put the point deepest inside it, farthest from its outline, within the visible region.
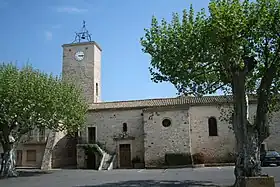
(140, 133)
(137, 133)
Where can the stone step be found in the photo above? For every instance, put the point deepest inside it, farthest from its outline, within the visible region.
(106, 162)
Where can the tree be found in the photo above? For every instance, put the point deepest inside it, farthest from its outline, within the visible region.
(234, 49)
(31, 99)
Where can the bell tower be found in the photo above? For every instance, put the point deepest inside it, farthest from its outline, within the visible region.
(82, 65)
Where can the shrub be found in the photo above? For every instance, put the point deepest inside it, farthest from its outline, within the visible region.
(198, 158)
(175, 159)
(136, 159)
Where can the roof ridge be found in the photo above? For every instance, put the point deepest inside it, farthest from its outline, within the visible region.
(162, 99)
(170, 101)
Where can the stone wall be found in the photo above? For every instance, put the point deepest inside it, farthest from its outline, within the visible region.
(64, 152)
(60, 151)
(109, 124)
(215, 148)
(39, 148)
(160, 140)
(273, 141)
(218, 148)
(97, 73)
(85, 73)
(188, 132)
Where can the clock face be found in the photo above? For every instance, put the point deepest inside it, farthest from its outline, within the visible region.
(79, 55)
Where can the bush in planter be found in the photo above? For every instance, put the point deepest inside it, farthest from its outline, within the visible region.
(137, 163)
(198, 158)
(176, 159)
(136, 160)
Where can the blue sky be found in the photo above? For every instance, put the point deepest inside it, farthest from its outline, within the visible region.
(33, 31)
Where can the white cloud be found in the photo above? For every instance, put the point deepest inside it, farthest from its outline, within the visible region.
(48, 35)
(70, 10)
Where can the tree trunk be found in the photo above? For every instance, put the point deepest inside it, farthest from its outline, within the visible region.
(248, 147)
(9, 162)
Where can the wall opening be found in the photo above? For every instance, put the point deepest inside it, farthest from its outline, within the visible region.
(166, 122)
(91, 135)
(212, 126)
(96, 89)
(124, 127)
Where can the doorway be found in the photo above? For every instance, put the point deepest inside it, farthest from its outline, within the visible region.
(91, 135)
(125, 156)
(91, 160)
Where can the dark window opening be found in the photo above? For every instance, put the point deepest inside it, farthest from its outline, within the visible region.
(96, 89)
(166, 122)
(124, 127)
(91, 135)
(212, 126)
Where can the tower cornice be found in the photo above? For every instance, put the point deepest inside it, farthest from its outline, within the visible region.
(83, 44)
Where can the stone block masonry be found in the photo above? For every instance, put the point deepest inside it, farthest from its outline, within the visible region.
(161, 139)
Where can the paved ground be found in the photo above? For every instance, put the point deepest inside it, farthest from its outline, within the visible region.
(215, 176)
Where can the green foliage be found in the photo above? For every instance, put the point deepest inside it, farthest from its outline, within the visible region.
(200, 54)
(31, 99)
(91, 149)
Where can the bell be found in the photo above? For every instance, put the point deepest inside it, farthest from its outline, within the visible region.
(83, 37)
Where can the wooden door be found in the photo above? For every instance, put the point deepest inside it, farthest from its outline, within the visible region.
(19, 158)
(125, 156)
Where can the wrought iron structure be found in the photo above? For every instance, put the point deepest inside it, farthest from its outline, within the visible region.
(83, 35)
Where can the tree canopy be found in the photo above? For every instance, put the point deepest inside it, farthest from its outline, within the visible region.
(31, 99)
(236, 49)
(199, 53)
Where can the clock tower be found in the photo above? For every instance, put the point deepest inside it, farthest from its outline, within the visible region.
(82, 65)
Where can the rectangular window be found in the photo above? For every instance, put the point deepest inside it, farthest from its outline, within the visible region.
(91, 135)
(31, 155)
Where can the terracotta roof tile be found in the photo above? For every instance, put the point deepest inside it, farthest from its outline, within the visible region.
(161, 102)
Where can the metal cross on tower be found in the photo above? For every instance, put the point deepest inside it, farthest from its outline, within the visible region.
(83, 35)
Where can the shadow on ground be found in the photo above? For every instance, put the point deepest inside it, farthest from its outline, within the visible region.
(32, 173)
(28, 174)
(143, 183)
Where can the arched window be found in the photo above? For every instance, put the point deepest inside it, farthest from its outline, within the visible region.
(212, 126)
(124, 127)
